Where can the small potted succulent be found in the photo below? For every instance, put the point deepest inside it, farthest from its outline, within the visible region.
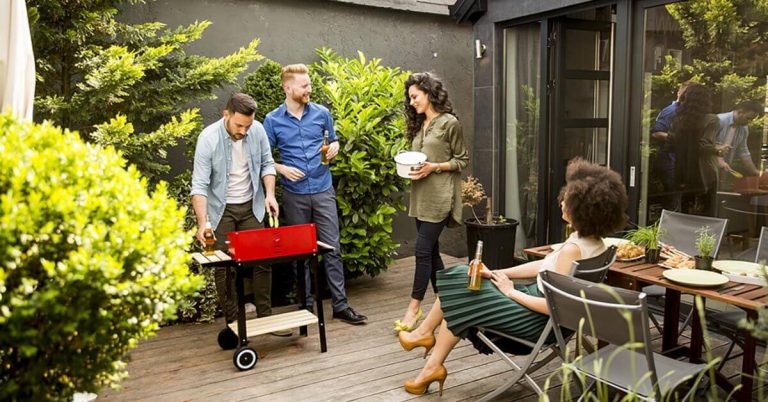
(648, 237)
(496, 232)
(705, 247)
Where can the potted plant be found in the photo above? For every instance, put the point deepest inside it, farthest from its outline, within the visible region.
(496, 232)
(648, 237)
(705, 247)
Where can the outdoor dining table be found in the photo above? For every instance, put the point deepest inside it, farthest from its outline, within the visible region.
(748, 297)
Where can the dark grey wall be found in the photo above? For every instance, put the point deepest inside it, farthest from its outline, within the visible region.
(291, 30)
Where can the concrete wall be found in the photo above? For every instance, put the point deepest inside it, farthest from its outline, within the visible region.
(291, 30)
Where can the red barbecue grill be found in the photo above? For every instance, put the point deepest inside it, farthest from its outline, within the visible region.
(266, 247)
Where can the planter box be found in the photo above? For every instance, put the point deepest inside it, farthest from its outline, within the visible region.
(498, 242)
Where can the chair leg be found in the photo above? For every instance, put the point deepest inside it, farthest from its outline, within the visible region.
(726, 356)
(655, 322)
(686, 322)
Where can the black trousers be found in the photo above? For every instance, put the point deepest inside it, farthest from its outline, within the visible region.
(428, 260)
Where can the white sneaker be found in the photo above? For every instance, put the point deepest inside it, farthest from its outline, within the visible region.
(250, 308)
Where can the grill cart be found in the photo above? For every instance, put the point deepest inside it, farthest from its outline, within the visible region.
(266, 247)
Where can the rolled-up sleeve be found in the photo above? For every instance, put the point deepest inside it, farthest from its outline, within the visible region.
(267, 162)
(201, 172)
(459, 155)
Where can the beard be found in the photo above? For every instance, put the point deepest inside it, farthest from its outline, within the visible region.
(300, 99)
(235, 137)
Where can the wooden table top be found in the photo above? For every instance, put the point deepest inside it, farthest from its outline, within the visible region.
(743, 295)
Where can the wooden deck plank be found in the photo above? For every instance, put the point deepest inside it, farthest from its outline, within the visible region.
(184, 362)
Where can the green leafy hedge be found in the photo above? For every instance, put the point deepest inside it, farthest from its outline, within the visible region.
(265, 87)
(365, 99)
(89, 262)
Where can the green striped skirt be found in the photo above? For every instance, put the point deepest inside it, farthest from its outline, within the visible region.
(488, 307)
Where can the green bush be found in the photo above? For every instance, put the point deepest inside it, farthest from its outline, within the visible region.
(265, 87)
(89, 262)
(365, 99)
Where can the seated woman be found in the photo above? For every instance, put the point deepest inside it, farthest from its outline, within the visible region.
(593, 201)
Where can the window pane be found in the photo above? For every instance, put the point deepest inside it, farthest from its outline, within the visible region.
(522, 94)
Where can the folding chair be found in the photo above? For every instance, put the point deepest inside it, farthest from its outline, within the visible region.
(727, 322)
(620, 318)
(679, 231)
(591, 269)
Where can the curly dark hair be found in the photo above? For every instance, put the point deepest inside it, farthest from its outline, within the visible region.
(695, 103)
(437, 95)
(595, 199)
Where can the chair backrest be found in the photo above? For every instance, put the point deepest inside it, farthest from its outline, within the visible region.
(679, 230)
(761, 256)
(614, 315)
(594, 269)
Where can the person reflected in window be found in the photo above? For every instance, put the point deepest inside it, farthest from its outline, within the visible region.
(665, 158)
(733, 133)
(693, 136)
(593, 201)
(435, 200)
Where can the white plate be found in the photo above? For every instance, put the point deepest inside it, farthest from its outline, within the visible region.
(737, 267)
(695, 277)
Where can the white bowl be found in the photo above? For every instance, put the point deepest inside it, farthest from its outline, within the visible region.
(407, 160)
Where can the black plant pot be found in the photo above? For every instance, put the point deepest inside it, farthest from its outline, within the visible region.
(498, 242)
(652, 255)
(703, 263)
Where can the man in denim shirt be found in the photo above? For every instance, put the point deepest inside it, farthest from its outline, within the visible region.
(733, 133)
(296, 130)
(232, 158)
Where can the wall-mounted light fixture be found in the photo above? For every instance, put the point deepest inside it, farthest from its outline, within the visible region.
(479, 49)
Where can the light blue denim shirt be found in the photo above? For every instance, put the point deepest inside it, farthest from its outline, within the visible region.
(213, 158)
(739, 143)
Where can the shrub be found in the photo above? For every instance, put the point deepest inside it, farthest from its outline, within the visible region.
(265, 87)
(90, 263)
(365, 99)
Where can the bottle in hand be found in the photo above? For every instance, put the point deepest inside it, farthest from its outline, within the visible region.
(475, 266)
(324, 149)
(210, 241)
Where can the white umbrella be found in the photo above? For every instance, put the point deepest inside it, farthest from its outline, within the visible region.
(17, 62)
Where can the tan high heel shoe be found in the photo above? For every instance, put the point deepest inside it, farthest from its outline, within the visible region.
(420, 388)
(427, 342)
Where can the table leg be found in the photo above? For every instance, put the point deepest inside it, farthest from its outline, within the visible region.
(671, 320)
(697, 332)
(241, 328)
(319, 303)
(748, 362)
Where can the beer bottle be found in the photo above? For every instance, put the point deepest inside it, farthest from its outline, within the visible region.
(210, 241)
(324, 149)
(475, 267)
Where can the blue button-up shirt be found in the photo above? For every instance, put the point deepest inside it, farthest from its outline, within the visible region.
(213, 159)
(299, 142)
(739, 144)
(664, 119)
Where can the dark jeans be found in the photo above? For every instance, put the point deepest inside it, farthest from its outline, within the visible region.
(428, 260)
(320, 209)
(240, 217)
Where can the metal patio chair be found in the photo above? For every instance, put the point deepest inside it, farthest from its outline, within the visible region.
(679, 231)
(727, 322)
(591, 269)
(620, 318)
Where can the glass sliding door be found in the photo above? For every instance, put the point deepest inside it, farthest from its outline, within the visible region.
(522, 94)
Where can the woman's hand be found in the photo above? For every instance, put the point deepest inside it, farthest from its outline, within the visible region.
(484, 271)
(502, 281)
(422, 171)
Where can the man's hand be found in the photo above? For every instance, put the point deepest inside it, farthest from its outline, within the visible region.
(201, 235)
(272, 207)
(420, 172)
(505, 285)
(289, 172)
(333, 150)
(722, 150)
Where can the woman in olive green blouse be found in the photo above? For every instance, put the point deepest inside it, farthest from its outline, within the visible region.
(436, 185)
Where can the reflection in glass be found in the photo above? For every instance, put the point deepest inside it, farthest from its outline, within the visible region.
(719, 45)
(522, 94)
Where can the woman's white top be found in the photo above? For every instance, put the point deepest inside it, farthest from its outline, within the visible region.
(589, 247)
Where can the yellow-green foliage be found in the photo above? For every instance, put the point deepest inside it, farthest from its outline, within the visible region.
(89, 262)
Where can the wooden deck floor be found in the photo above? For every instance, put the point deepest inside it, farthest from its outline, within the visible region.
(184, 362)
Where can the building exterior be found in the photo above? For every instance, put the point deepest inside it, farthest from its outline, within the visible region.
(556, 79)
